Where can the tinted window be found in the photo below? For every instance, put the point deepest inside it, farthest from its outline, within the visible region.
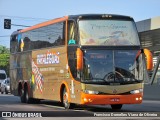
(7, 82)
(113, 66)
(72, 33)
(72, 47)
(13, 44)
(48, 36)
(97, 64)
(2, 76)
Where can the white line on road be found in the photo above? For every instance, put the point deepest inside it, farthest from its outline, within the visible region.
(51, 106)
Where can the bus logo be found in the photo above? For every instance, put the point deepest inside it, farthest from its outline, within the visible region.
(48, 58)
(114, 91)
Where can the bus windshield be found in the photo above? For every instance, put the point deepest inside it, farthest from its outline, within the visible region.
(108, 33)
(112, 66)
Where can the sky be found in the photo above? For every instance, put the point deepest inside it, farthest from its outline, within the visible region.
(31, 12)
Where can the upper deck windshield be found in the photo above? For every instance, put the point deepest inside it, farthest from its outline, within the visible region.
(108, 33)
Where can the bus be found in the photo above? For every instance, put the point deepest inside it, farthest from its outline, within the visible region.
(86, 59)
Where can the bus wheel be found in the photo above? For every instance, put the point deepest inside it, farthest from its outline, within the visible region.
(65, 99)
(117, 106)
(22, 96)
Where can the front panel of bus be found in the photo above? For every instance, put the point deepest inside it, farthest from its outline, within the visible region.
(112, 70)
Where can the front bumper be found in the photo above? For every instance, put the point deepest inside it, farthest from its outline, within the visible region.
(90, 99)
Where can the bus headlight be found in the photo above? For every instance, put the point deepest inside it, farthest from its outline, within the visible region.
(136, 91)
(90, 92)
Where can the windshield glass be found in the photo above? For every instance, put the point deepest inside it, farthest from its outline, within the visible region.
(7, 82)
(2, 76)
(97, 64)
(116, 66)
(108, 32)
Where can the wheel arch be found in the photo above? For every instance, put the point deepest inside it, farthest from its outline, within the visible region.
(23, 85)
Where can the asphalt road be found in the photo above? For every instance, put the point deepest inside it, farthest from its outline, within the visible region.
(10, 103)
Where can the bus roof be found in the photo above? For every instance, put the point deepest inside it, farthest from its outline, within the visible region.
(99, 16)
(80, 16)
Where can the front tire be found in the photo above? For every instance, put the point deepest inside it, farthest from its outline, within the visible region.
(66, 103)
(116, 106)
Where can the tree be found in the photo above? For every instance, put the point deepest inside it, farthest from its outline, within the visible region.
(4, 58)
(3, 49)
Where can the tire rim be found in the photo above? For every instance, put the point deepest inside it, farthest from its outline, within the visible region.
(65, 100)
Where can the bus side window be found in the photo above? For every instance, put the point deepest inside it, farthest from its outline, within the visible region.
(71, 33)
(14, 44)
(60, 34)
(72, 48)
(27, 43)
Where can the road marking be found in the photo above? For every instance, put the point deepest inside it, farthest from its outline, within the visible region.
(79, 110)
(51, 106)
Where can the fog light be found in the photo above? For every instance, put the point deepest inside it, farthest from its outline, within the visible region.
(137, 99)
(85, 100)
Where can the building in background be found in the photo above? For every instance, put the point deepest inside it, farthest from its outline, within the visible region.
(149, 32)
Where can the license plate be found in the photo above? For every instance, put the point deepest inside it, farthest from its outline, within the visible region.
(114, 99)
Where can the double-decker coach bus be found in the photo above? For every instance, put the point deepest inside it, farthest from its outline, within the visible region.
(91, 59)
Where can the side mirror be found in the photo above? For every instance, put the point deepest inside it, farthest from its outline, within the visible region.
(149, 59)
(79, 59)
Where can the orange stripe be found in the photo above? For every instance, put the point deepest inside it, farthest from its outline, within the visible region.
(45, 24)
(66, 35)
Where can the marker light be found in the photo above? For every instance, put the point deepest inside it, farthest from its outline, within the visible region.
(137, 99)
(140, 98)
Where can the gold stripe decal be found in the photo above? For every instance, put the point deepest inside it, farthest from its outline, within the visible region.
(112, 89)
